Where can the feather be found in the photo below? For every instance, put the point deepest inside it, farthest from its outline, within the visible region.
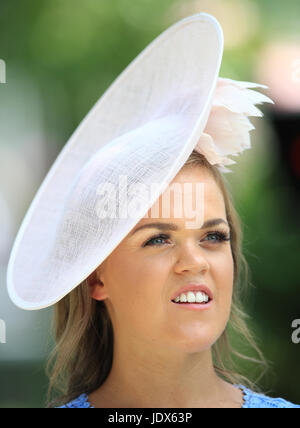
(227, 128)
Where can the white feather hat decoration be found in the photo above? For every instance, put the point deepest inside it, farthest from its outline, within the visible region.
(227, 129)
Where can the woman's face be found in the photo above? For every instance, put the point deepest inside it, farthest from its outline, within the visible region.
(142, 274)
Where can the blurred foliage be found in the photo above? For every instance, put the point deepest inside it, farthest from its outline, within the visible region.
(271, 246)
(73, 50)
(23, 385)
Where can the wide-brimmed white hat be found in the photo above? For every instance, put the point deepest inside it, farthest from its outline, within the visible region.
(169, 101)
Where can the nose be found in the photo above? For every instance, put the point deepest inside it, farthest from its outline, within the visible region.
(192, 258)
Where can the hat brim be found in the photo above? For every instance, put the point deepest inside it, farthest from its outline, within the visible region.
(185, 59)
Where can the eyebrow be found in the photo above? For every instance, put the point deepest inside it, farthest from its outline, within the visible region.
(172, 226)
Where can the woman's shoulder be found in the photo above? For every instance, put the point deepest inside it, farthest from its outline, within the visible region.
(255, 400)
(81, 402)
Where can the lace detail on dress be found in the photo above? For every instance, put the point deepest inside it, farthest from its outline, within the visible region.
(80, 402)
(241, 388)
(252, 400)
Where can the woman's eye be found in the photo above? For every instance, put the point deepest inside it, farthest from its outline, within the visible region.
(221, 237)
(156, 238)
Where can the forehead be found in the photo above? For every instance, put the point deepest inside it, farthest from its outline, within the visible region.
(191, 190)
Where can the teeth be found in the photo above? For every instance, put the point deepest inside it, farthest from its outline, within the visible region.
(192, 297)
(183, 298)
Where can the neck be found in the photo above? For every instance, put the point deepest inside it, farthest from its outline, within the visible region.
(164, 378)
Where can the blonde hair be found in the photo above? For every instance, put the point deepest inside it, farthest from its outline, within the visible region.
(82, 358)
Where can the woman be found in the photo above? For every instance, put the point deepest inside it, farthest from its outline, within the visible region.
(128, 333)
(131, 345)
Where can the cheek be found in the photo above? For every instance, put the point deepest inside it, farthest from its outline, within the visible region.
(222, 270)
(136, 284)
(136, 278)
(223, 274)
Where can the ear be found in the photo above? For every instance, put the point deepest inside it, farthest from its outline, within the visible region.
(97, 289)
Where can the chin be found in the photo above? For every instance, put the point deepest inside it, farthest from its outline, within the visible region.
(195, 344)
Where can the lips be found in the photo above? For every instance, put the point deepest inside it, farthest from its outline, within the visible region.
(193, 287)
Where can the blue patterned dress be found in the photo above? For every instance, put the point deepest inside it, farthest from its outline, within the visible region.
(252, 400)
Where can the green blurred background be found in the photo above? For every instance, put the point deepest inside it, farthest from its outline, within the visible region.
(60, 56)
